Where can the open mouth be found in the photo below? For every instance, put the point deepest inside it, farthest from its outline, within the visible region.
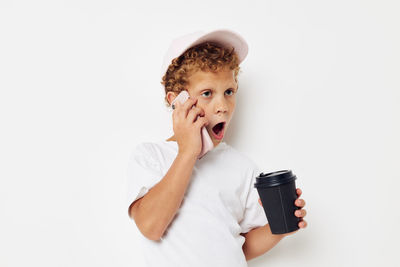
(218, 130)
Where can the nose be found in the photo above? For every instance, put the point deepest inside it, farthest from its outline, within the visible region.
(221, 106)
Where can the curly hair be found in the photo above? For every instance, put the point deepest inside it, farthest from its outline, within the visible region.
(206, 56)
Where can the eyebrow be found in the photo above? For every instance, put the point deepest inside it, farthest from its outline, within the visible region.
(203, 89)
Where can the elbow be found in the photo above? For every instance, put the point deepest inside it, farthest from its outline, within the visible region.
(148, 228)
(150, 231)
(153, 237)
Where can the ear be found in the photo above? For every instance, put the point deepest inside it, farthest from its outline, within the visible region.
(171, 96)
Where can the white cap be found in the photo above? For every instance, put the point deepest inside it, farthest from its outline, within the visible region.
(224, 37)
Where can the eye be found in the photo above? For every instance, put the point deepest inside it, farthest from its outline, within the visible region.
(205, 92)
(230, 90)
(209, 92)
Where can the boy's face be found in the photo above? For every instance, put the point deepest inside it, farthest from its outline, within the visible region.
(216, 94)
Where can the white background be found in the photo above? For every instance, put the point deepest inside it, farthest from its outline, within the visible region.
(80, 87)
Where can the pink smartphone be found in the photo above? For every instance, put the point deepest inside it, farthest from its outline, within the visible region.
(207, 143)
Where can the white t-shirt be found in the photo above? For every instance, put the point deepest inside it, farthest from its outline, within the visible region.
(220, 203)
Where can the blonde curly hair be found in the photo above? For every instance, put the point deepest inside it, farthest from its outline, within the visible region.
(207, 56)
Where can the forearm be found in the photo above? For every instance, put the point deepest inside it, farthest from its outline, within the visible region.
(259, 241)
(159, 206)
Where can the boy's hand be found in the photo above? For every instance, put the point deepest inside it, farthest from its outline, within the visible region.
(187, 123)
(298, 213)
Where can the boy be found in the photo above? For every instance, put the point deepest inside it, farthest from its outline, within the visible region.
(199, 212)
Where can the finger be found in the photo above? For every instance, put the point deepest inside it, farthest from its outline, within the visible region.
(183, 109)
(300, 203)
(201, 121)
(298, 191)
(303, 224)
(176, 113)
(187, 106)
(189, 103)
(300, 213)
(259, 201)
(194, 113)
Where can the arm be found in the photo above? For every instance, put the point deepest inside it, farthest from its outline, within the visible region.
(259, 241)
(155, 210)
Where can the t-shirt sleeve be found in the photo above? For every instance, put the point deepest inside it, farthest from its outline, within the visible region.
(254, 215)
(143, 173)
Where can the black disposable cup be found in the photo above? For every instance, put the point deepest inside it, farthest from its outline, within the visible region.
(277, 191)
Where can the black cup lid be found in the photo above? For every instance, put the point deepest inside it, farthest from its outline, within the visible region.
(274, 178)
